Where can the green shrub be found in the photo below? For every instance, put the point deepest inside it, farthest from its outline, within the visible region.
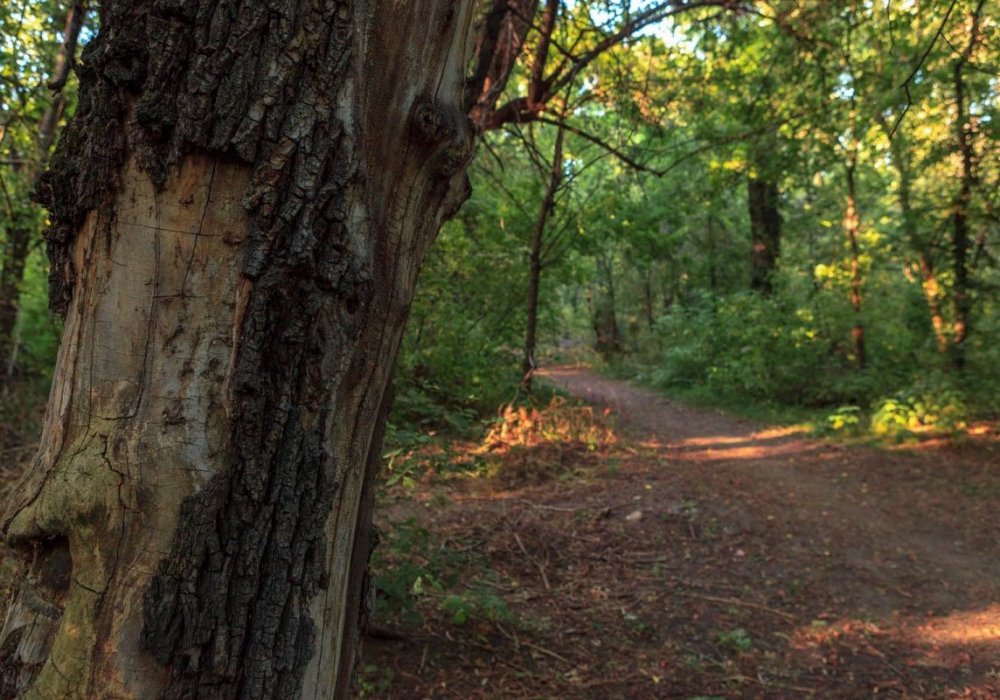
(931, 406)
(410, 565)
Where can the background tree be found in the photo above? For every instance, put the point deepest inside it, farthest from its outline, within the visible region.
(33, 99)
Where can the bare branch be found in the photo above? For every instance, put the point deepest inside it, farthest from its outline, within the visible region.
(617, 153)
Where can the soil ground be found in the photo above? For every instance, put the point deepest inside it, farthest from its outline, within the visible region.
(707, 556)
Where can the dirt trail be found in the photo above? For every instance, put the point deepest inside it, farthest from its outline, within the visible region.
(706, 556)
(888, 513)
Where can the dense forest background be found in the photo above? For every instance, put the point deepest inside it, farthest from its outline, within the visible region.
(789, 204)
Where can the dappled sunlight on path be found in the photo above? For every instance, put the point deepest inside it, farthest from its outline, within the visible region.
(702, 555)
(910, 537)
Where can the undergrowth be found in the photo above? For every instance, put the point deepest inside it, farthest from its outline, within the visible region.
(411, 566)
(772, 360)
(526, 443)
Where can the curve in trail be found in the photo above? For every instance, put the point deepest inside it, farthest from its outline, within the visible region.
(917, 528)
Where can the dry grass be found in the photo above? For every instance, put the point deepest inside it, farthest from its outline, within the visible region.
(529, 445)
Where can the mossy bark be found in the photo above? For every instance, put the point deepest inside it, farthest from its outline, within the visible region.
(239, 211)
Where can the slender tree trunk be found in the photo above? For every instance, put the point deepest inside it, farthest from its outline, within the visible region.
(15, 257)
(765, 233)
(929, 283)
(851, 228)
(605, 315)
(23, 228)
(932, 294)
(647, 289)
(961, 241)
(535, 262)
(616, 338)
(713, 275)
(928, 275)
(239, 210)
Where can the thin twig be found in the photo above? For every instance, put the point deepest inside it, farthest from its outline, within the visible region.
(541, 569)
(596, 140)
(545, 507)
(916, 69)
(739, 603)
(548, 652)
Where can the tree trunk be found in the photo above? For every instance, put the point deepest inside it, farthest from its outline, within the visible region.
(647, 297)
(535, 260)
(960, 238)
(713, 276)
(15, 258)
(851, 227)
(605, 316)
(929, 284)
(765, 233)
(961, 241)
(239, 210)
(23, 229)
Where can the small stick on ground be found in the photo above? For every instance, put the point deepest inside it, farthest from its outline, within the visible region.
(740, 603)
(548, 652)
(542, 506)
(533, 560)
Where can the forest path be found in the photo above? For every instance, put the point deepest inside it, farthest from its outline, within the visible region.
(903, 519)
(701, 555)
(906, 537)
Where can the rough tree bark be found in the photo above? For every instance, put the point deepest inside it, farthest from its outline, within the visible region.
(239, 209)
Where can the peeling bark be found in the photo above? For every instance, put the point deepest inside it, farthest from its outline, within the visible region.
(239, 210)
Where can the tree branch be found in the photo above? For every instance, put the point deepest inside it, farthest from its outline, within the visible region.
(617, 153)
